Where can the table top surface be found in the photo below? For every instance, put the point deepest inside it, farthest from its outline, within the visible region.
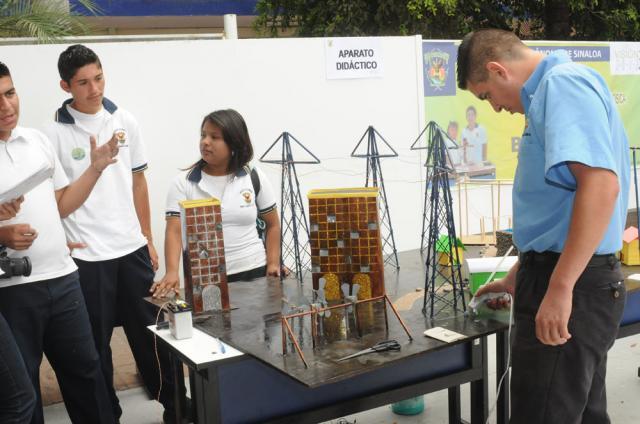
(254, 325)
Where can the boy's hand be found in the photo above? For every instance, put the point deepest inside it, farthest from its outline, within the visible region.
(18, 236)
(103, 156)
(11, 208)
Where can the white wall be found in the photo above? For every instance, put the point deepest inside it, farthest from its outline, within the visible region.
(276, 84)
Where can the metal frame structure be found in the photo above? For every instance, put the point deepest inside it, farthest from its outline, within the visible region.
(374, 171)
(437, 220)
(294, 253)
(314, 312)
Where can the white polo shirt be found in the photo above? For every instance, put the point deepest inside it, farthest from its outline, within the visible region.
(476, 139)
(243, 249)
(107, 221)
(27, 151)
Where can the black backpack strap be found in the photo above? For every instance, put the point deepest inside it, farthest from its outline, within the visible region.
(255, 182)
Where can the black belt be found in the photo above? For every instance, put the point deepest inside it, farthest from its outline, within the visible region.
(550, 258)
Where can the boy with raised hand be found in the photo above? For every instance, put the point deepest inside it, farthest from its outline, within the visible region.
(45, 310)
(117, 262)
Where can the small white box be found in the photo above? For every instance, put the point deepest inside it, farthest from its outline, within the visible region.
(180, 322)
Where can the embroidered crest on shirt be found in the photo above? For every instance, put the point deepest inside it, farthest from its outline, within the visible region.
(246, 195)
(121, 136)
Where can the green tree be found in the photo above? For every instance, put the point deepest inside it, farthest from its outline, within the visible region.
(530, 19)
(45, 20)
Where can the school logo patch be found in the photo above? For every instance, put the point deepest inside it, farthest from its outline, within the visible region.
(78, 153)
(246, 195)
(121, 136)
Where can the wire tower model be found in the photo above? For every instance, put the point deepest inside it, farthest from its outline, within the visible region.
(294, 251)
(442, 258)
(374, 173)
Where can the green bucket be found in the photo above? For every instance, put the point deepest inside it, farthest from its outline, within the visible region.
(412, 406)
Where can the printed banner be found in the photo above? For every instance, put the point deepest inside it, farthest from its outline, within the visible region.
(488, 141)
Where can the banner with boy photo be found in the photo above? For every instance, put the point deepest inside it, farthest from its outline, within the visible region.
(488, 142)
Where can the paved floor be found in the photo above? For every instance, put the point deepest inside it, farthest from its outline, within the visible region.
(622, 382)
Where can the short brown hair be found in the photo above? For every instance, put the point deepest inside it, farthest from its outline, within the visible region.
(482, 46)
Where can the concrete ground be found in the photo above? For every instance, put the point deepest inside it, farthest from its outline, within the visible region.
(623, 387)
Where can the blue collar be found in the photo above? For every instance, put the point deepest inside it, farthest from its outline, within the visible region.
(531, 85)
(195, 174)
(64, 117)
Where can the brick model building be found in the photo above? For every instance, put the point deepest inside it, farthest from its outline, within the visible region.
(205, 276)
(344, 235)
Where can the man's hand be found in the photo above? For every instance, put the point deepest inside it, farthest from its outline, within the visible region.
(169, 283)
(497, 286)
(552, 319)
(103, 156)
(17, 236)
(10, 209)
(273, 270)
(75, 245)
(153, 254)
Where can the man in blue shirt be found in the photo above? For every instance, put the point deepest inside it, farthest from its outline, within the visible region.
(569, 204)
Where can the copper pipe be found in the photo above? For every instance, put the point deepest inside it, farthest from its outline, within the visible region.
(398, 316)
(284, 337)
(295, 343)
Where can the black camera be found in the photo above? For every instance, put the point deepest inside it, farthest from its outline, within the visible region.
(14, 267)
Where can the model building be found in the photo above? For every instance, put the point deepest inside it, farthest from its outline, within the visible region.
(345, 242)
(205, 276)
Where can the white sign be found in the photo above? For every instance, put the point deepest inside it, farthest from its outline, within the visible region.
(624, 58)
(353, 57)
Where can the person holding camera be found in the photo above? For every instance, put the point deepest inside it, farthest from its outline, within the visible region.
(45, 309)
(17, 396)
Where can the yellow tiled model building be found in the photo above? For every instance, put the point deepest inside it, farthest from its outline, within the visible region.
(344, 235)
(629, 254)
(205, 276)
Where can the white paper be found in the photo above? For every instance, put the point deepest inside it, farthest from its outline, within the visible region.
(353, 57)
(26, 185)
(624, 58)
(444, 335)
(635, 277)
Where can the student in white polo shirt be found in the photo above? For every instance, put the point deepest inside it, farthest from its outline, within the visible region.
(45, 311)
(223, 172)
(117, 261)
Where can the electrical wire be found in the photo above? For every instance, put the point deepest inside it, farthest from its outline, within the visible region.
(155, 348)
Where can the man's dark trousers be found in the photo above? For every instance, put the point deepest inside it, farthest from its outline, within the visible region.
(50, 316)
(114, 291)
(565, 384)
(17, 396)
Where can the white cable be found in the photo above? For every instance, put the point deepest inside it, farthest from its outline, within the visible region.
(506, 371)
(498, 265)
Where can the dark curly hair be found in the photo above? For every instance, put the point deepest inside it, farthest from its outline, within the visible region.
(4, 70)
(74, 58)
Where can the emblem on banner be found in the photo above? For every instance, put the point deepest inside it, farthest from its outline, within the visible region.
(437, 67)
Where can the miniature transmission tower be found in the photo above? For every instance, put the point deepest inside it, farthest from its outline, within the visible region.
(374, 172)
(443, 282)
(294, 230)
